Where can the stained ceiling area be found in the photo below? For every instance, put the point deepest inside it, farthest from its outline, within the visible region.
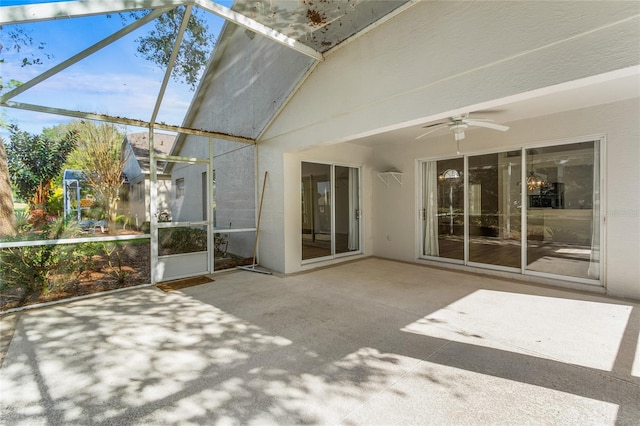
(319, 24)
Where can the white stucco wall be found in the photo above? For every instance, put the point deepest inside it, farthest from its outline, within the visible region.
(432, 59)
(234, 164)
(187, 208)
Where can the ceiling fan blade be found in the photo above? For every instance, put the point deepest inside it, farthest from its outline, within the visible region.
(487, 111)
(433, 129)
(436, 124)
(478, 119)
(493, 126)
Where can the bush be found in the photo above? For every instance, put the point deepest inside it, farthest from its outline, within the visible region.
(55, 203)
(220, 245)
(39, 269)
(38, 218)
(189, 240)
(22, 221)
(182, 240)
(145, 228)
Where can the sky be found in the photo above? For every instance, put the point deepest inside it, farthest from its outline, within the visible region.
(115, 80)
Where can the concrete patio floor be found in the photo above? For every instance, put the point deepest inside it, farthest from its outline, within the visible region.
(367, 342)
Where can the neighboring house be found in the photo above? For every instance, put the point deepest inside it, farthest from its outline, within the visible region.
(233, 204)
(552, 200)
(135, 149)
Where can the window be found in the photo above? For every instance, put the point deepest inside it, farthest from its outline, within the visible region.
(140, 190)
(536, 211)
(330, 210)
(180, 188)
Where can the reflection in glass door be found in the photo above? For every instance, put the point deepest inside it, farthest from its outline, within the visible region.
(330, 210)
(347, 209)
(494, 209)
(563, 211)
(443, 209)
(316, 210)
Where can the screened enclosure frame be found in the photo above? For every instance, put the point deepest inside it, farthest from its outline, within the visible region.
(363, 21)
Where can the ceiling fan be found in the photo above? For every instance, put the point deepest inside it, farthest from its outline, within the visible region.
(459, 123)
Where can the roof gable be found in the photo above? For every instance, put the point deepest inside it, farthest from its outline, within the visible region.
(139, 143)
(250, 79)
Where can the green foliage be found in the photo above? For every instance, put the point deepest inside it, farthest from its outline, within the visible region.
(16, 39)
(190, 240)
(182, 240)
(220, 245)
(40, 269)
(99, 154)
(33, 161)
(38, 218)
(115, 253)
(124, 220)
(145, 228)
(157, 45)
(22, 221)
(95, 213)
(55, 203)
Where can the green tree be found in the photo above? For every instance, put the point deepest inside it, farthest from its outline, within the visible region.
(99, 155)
(155, 46)
(33, 161)
(18, 39)
(197, 43)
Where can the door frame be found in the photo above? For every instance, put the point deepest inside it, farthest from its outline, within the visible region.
(333, 254)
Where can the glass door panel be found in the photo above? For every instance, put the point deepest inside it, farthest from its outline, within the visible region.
(347, 209)
(316, 210)
(443, 209)
(494, 209)
(563, 215)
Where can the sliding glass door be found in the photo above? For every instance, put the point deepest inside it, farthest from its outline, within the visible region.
(330, 210)
(443, 209)
(563, 210)
(534, 211)
(494, 213)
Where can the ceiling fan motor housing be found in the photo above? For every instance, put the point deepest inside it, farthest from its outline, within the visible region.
(458, 129)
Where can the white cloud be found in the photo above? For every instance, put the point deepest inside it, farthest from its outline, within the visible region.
(119, 94)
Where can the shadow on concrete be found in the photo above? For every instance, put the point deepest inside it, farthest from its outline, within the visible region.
(310, 349)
